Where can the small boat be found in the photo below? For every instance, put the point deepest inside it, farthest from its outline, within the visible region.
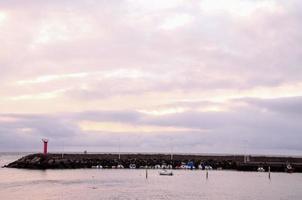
(164, 166)
(170, 167)
(183, 166)
(289, 168)
(260, 169)
(132, 166)
(190, 165)
(157, 167)
(166, 173)
(97, 167)
(120, 167)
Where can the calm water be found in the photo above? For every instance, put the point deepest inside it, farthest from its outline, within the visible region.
(86, 184)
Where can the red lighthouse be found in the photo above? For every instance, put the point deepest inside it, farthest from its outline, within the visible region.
(45, 141)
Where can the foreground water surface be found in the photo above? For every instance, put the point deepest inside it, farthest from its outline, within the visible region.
(88, 184)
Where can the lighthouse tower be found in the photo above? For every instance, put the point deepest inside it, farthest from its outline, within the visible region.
(45, 142)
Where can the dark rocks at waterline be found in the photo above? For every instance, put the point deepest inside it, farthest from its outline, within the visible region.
(231, 162)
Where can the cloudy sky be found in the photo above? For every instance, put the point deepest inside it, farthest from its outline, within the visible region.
(189, 76)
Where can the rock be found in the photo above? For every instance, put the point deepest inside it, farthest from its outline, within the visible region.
(51, 161)
(35, 160)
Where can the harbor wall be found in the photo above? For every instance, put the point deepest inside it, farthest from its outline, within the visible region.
(111, 160)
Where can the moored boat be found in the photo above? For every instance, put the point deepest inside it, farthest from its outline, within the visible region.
(260, 169)
(208, 167)
(166, 173)
(289, 168)
(132, 166)
(120, 166)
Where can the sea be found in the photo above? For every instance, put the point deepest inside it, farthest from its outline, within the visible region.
(115, 184)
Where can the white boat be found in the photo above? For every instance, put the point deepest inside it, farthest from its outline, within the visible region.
(166, 173)
(289, 168)
(132, 166)
(261, 169)
(183, 166)
(120, 167)
(190, 167)
(208, 167)
(97, 167)
(157, 167)
(164, 166)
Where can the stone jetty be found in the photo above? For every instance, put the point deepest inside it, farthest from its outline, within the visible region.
(140, 160)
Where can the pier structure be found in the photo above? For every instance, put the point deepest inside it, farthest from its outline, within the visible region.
(157, 161)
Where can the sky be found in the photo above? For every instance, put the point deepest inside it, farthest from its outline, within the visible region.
(200, 76)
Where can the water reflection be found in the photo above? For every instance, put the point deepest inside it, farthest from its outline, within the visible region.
(88, 184)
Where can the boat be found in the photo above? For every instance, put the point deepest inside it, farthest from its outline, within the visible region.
(164, 166)
(166, 173)
(97, 167)
(120, 167)
(132, 166)
(183, 166)
(289, 168)
(208, 167)
(190, 165)
(157, 167)
(260, 169)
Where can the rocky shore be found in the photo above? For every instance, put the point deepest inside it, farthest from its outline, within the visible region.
(178, 161)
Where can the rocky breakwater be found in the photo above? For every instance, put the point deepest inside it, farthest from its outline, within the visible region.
(62, 161)
(74, 161)
(179, 161)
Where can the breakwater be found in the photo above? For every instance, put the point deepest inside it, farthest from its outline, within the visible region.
(178, 161)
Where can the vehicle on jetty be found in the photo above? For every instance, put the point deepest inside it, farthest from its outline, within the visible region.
(260, 169)
(166, 173)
